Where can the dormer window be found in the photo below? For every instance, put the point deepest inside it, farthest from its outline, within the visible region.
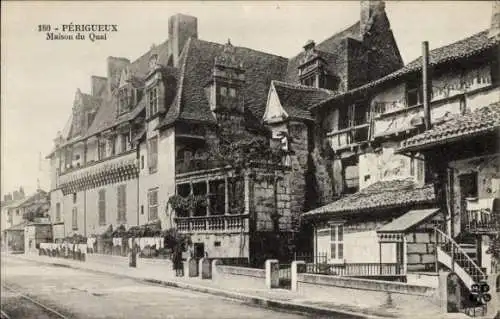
(123, 101)
(153, 101)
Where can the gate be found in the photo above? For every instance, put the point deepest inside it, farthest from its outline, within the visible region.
(285, 276)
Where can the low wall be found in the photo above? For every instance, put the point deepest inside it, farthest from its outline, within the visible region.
(240, 276)
(423, 279)
(369, 293)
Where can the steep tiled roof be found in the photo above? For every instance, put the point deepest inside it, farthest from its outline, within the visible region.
(380, 195)
(330, 48)
(464, 48)
(296, 99)
(196, 69)
(483, 120)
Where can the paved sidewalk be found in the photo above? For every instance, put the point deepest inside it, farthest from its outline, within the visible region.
(160, 272)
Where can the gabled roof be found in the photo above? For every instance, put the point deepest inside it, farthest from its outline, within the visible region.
(196, 67)
(380, 195)
(481, 121)
(296, 99)
(461, 49)
(330, 48)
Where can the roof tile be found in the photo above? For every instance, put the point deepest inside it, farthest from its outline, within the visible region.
(382, 194)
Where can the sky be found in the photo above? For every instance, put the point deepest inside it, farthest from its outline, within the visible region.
(40, 77)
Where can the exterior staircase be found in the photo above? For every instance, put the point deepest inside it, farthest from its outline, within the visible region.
(460, 258)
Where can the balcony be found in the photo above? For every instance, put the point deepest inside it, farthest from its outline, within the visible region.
(186, 166)
(383, 108)
(348, 137)
(110, 170)
(213, 224)
(482, 216)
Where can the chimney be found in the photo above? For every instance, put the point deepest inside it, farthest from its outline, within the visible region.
(98, 84)
(369, 9)
(426, 85)
(495, 20)
(180, 28)
(115, 67)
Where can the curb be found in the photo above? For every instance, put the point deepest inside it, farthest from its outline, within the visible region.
(248, 299)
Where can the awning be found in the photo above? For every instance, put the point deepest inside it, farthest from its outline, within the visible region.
(408, 220)
(395, 230)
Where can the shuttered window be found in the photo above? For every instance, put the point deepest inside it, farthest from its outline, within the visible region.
(153, 204)
(122, 203)
(58, 212)
(336, 242)
(102, 207)
(153, 154)
(74, 219)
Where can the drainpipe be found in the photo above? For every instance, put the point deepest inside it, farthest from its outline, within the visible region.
(85, 212)
(426, 87)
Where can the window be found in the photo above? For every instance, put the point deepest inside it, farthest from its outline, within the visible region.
(309, 81)
(124, 142)
(153, 101)
(101, 149)
(142, 209)
(232, 92)
(153, 154)
(74, 198)
(223, 91)
(122, 203)
(142, 162)
(123, 100)
(217, 243)
(336, 242)
(102, 207)
(153, 204)
(58, 212)
(74, 219)
(414, 94)
(17, 212)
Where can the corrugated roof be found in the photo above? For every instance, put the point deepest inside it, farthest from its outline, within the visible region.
(481, 121)
(408, 220)
(380, 195)
(464, 48)
(296, 99)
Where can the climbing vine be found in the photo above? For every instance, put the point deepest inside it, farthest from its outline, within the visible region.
(189, 203)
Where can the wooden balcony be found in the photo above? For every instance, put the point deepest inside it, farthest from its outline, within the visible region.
(213, 224)
(186, 166)
(482, 216)
(348, 137)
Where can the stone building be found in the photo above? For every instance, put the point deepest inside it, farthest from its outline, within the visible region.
(188, 134)
(388, 202)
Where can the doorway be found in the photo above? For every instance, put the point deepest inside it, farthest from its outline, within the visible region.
(199, 250)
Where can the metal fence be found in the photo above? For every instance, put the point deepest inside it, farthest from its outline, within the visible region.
(356, 269)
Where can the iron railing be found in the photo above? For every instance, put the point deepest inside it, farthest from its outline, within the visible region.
(459, 256)
(216, 223)
(356, 269)
(482, 221)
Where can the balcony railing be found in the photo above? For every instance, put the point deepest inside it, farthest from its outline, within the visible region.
(482, 216)
(349, 136)
(210, 224)
(388, 107)
(185, 166)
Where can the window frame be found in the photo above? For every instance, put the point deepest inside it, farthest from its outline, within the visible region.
(154, 205)
(74, 218)
(336, 255)
(101, 207)
(58, 212)
(153, 101)
(121, 202)
(153, 156)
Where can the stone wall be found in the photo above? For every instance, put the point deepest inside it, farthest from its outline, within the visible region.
(299, 145)
(420, 251)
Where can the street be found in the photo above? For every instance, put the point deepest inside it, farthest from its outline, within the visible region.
(80, 294)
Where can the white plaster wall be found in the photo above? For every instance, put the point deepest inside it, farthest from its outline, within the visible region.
(482, 99)
(231, 245)
(163, 179)
(363, 247)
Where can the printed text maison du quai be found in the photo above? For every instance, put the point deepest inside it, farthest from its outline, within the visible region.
(75, 31)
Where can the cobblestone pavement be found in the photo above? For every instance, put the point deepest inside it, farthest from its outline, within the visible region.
(81, 294)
